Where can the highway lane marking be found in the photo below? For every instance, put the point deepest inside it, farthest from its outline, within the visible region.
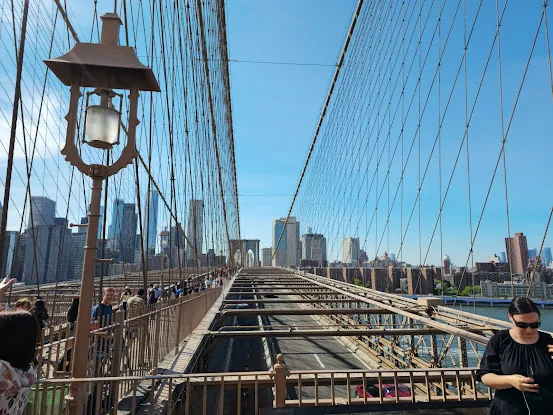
(353, 354)
(319, 360)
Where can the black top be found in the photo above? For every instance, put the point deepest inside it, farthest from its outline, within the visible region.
(504, 356)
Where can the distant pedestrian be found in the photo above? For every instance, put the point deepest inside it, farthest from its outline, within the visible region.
(150, 288)
(72, 314)
(23, 304)
(39, 311)
(136, 305)
(127, 293)
(103, 312)
(173, 293)
(152, 299)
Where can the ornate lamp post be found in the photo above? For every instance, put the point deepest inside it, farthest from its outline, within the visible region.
(106, 67)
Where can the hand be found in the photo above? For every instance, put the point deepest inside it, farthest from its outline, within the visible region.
(550, 349)
(5, 284)
(524, 384)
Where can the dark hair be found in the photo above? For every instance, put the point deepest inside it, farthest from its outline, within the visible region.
(19, 331)
(39, 304)
(73, 311)
(523, 305)
(140, 292)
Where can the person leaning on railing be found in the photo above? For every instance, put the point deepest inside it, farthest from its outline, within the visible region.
(518, 364)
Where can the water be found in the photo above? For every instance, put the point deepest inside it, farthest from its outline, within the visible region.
(500, 313)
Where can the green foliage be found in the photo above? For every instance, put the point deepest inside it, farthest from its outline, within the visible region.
(358, 282)
(471, 290)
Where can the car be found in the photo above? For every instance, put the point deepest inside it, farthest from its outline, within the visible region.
(388, 391)
(269, 293)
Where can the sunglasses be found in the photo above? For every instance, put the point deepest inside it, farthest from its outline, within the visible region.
(521, 325)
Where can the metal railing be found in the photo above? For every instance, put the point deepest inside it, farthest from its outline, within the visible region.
(240, 392)
(129, 347)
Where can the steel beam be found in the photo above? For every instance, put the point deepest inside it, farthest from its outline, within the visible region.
(281, 293)
(326, 333)
(302, 311)
(291, 301)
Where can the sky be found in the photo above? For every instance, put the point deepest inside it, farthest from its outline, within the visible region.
(277, 104)
(276, 108)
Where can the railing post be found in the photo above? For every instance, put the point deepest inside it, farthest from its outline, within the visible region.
(117, 336)
(279, 374)
(178, 337)
(157, 317)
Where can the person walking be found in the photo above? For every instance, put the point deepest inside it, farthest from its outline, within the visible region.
(102, 313)
(39, 311)
(127, 293)
(23, 304)
(72, 314)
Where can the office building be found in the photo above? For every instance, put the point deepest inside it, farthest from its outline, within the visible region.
(532, 253)
(47, 255)
(288, 251)
(127, 235)
(150, 226)
(503, 257)
(420, 280)
(447, 265)
(350, 251)
(76, 254)
(313, 248)
(266, 257)
(9, 257)
(195, 230)
(43, 212)
(546, 257)
(164, 241)
(517, 253)
(114, 230)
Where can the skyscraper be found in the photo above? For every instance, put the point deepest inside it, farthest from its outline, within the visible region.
(266, 256)
(195, 230)
(9, 258)
(503, 257)
(313, 247)
(127, 238)
(101, 222)
(43, 213)
(517, 253)
(532, 253)
(114, 230)
(546, 257)
(52, 245)
(350, 250)
(289, 249)
(151, 221)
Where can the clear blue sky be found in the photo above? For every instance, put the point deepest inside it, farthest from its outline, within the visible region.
(276, 108)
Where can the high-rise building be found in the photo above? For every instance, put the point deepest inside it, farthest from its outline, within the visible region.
(503, 257)
(313, 247)
(164, 241)
(101, 221)
(266, 256)
(288, 251)
(76, 254)
(43, 212)
(114, 230)
(447, 265)
(546, 257)
(127, 236)
(517, 253)
(195, 230)
(151, 221)
(532, 253)
(350, 250)
(9, 258)
(52, 245)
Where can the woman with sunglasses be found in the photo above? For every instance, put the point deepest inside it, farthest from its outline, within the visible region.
(517, 363)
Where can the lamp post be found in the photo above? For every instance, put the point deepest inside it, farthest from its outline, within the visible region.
(106, 67)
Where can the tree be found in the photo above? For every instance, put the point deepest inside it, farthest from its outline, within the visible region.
(471, 290)
(357, 281)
